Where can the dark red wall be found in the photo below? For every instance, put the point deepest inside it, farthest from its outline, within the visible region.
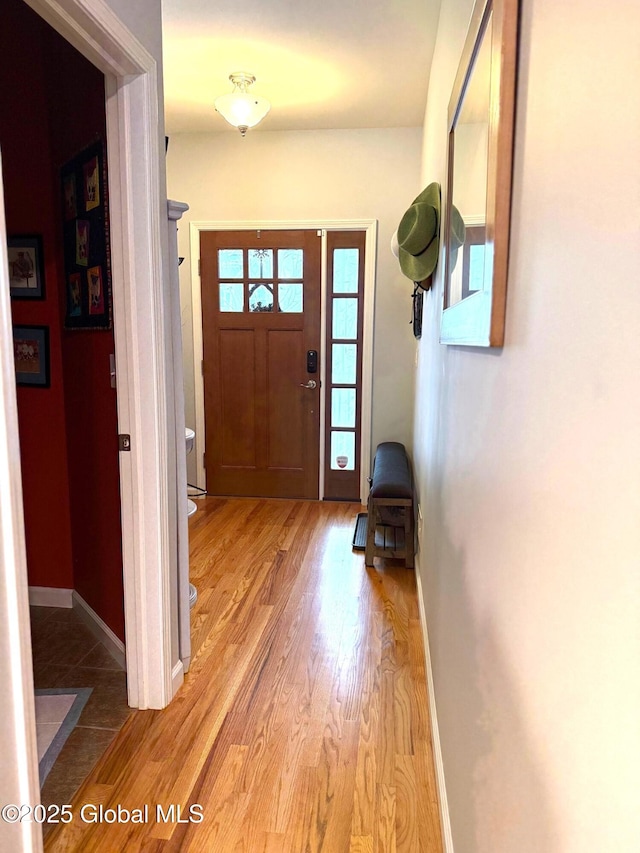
(52, 105)
(30, 209)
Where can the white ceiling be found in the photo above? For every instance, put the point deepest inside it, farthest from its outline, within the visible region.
(321, 63)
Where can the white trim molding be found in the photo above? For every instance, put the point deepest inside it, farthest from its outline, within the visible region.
(19, 782)
(445, 821)
(370, 227)
(100, 630)
(177, 677)
(50, 596)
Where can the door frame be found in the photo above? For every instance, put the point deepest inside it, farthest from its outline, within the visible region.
(139, 249)
(370, 227)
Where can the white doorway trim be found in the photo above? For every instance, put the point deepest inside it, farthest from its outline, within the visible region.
(19, 782)
(370, 227)
(145, 392)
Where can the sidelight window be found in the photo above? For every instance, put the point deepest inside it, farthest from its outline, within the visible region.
(344, 363)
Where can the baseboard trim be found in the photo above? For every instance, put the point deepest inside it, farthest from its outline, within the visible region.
(100, 630)
(445, 821)
(177, 678)
(50, 596)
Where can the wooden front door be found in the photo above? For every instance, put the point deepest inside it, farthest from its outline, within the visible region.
(261, 318)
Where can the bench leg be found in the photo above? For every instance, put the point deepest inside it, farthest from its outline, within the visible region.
(371, 535)
(409, 540)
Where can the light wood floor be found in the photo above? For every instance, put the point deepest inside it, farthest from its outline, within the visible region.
(303, 724)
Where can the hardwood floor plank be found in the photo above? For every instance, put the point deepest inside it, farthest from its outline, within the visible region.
(302, 725)
(361, 844)
(228, 806)
(406, 806)
(385, 747)
(363, 815)
(384, 839)
(418, 695)
(428, 815)
(402, 711)
(317, 695)
(364, 797)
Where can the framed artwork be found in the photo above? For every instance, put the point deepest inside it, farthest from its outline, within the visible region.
(85, 225)
(26, 266)
(31, 355)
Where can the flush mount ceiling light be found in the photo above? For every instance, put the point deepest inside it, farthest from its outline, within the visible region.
(241, 108)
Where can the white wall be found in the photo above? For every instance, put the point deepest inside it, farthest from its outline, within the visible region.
(304, 175)
(144, 19)
(528, 460)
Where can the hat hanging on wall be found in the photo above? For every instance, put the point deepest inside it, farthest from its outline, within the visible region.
(416, 242)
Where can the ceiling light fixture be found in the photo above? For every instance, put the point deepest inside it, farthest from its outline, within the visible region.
(240, 108)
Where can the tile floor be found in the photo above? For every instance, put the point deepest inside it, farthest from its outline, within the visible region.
(66, 654)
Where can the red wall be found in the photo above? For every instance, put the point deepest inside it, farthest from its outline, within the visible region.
(77, 101)
(30, 209)
(51, 107)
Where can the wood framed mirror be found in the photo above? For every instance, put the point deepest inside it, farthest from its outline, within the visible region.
(479, 166)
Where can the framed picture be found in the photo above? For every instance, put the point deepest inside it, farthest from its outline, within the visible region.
(26, 266)
(31, 355)
(85, 227)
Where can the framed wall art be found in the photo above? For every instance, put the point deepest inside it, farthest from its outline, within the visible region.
(26, 266)
(87, 259)
(31, 355)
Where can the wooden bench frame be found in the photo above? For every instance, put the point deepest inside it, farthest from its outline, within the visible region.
(396, 545)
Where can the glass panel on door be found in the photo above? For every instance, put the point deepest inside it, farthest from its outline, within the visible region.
(345, 319)
(343, 407)
(261, 298)
(230, 263)
(290, 263)
(343, 451)
(345, 270)
(260, 263)
(343, 364)
(232, 296)
(290, 298)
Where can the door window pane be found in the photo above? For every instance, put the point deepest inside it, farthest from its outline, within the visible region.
(232, 296)
(343, 364)
(343, 407)
(343, 451)
(260, 263)
(345, 270)
(261, 299)
(290, 263)
(290, 298)
(230, 263)
(345, 319)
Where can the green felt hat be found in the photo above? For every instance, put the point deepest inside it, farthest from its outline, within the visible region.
(419, 234)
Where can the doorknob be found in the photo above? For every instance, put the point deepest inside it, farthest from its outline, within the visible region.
(310, 384)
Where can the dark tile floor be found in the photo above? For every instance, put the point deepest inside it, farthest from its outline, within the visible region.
(66, 654)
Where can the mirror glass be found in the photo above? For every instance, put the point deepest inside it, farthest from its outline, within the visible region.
(469, 272)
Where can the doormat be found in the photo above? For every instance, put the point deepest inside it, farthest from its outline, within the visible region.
(360, 532)
(57, 713)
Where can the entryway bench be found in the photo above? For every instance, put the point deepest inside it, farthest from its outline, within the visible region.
(390, 525)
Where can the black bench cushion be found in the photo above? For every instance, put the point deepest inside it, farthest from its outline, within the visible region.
(391, 473)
